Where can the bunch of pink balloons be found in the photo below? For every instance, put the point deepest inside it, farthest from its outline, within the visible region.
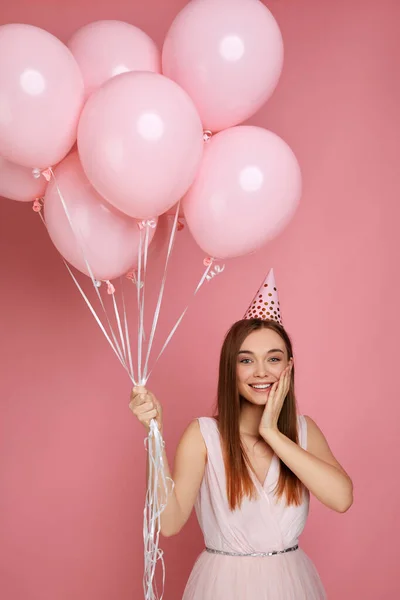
(138, 117)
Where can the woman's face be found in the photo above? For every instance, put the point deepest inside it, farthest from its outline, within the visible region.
(260, 362)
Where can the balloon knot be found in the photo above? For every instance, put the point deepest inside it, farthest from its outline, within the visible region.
(180, 226)
(147, 223)
(110, 288)
(207, 135)
(132, 276)
(37, 205)
(47, 173)
(208, 261)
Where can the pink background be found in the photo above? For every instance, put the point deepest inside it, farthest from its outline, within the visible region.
(71, 454)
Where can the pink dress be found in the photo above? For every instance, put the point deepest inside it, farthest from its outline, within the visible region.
(259, 526)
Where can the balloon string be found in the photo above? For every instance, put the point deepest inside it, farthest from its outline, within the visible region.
(154, 506)
(80, 244)
(175, 327)
(118, 319)
(127, 334)
(92, 310)
(141, 289)
(161, 293)
(98, 321)
(138, 290)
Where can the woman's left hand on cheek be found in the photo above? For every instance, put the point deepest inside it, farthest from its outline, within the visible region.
(276, 398)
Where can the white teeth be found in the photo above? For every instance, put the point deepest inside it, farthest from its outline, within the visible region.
(261, 387)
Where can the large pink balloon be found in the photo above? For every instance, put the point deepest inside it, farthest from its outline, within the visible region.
(109, 238)
(228, 55)
(41, 96)
(104, 49)
(248, 188)
(18, 183)
(140, 141)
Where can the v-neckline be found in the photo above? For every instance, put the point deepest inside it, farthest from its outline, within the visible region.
(274, 459)
(270, 468)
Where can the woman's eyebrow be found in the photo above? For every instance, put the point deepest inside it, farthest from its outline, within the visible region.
(269, 351)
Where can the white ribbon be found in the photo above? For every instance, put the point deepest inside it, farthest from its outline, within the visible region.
(175, 327)
(127, 336)
(155, 504)
(115, 345)
(161, 293)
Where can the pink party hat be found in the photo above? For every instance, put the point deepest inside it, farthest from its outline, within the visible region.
(265, 304)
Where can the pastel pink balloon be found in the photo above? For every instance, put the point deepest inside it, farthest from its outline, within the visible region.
(228, 56)
(140, 141)
(247, 189)
(104, 49)
(18, 183)
(109, 238)
(41, 96)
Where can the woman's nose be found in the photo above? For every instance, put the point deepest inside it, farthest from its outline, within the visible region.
(260, 369)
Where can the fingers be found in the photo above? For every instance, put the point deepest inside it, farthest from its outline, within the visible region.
(284, 381)
(286, 373)
(139, 395)
(139, 389)
(145, 406)
(287, 379)
(145, 410)
(142, 404)
(146, 417)
(281, 387)
(272, 393)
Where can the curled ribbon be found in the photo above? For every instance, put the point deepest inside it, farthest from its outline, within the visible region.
(215, 271)
(152, 223)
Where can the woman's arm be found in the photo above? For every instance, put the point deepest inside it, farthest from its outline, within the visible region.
(190, 461)
(316, 467)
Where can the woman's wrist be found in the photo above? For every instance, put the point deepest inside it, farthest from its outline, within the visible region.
(269, 434)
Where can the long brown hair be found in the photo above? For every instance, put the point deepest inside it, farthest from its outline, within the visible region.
(237, 466)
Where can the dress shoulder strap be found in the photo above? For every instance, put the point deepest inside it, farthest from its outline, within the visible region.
(209, 431)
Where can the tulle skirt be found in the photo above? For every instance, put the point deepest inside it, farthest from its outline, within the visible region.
(290, 576)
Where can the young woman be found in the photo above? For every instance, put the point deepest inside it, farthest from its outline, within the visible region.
(249, 472)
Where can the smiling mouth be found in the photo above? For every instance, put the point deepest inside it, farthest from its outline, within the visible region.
(260, 387)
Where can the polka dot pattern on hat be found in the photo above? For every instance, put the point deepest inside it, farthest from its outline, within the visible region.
(265, 304)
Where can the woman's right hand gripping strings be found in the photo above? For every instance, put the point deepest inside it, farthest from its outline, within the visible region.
(190, 461)
(145, 407)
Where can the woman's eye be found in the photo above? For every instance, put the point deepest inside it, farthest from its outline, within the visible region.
(274, 358)
(245, 361)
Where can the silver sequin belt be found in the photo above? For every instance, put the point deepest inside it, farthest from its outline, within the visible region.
(273, 553)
